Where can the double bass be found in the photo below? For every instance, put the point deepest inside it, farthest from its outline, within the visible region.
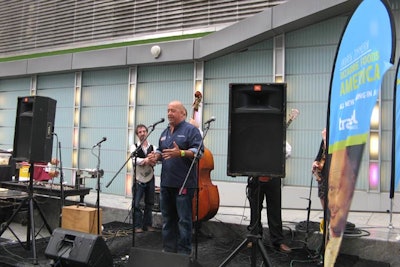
(206, 204)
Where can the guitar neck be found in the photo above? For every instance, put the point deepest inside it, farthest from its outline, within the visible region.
(289, 122)
(293, 115)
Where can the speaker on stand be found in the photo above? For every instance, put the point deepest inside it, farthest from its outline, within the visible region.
(34, 125)
(33, 141)
(256, 144)
(257, 130)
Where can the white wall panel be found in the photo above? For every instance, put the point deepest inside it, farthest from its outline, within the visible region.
(10, 90)
(104, 109)
(60, 87)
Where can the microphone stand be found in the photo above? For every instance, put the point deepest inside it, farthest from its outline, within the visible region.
(307, 230)
(196, 157)
(61, 176)
(98, 187)
(62, 196)
(133, 154)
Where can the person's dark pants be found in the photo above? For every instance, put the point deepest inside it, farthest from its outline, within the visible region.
(273, 194)
(144, 219)
(176, 212)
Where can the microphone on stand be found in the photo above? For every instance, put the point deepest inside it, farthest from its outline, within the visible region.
(210, 120)
(101, 141)
(158, 122)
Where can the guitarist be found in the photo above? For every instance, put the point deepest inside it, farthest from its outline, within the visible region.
(145, 185)
(319, 169)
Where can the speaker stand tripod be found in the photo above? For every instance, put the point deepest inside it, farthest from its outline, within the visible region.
(30, 231)
(254, 239)
(257, 244)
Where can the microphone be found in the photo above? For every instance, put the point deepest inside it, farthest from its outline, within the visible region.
(210, 120)
(101, 141)
(158, 122)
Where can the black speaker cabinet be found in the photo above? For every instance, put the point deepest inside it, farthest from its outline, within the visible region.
(140, 257)
(77, 249)
(257, 130)
(33, 138)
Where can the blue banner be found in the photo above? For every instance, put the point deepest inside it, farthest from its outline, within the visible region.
(363, 58)
(365, 53)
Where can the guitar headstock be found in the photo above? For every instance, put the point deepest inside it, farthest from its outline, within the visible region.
(197, 100)
(293, 114)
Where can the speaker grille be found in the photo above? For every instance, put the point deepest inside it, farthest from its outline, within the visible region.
(33, 139)
(257, 130)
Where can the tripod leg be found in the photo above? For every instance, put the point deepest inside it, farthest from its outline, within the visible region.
(253, 254)
(4, 227)
(235, 252)
(263, 253)
(42, 216)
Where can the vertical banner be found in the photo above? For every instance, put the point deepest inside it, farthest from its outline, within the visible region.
(395, 179)
(364, 54)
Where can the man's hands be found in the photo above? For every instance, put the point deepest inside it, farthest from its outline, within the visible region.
(169, 153)
(149, 160)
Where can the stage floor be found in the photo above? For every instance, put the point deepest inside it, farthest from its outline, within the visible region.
(374, 242)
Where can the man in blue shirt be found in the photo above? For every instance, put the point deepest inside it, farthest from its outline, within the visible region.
(178, 145)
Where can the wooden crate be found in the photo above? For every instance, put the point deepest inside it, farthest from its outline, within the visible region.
(80, 218)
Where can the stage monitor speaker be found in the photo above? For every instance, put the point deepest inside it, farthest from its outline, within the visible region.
(257, 130)
(33, 137)
(139, 257)
(72, 248)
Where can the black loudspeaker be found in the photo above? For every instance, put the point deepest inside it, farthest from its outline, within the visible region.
(257, 130)
(139, 257)
(72, 248)
(33, 138)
